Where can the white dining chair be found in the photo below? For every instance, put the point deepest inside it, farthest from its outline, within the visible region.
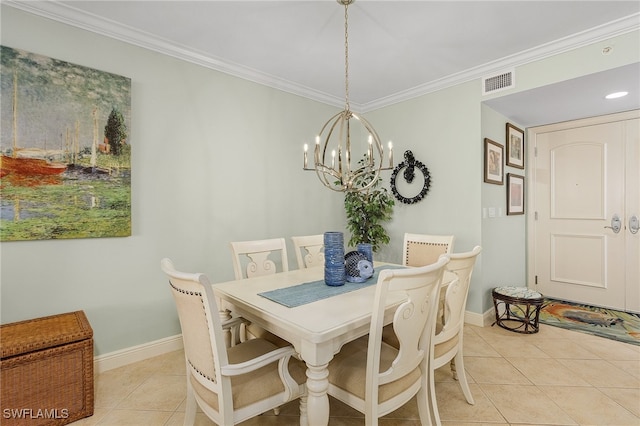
(424, 249)
(257, 258)
(376, 378)
(447, 343)
(309, 250)
(229, 384)
(421, 250)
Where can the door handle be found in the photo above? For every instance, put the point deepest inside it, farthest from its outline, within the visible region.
(616, 224)
(634, 224)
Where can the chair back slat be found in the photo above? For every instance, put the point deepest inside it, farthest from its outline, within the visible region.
(309, 250)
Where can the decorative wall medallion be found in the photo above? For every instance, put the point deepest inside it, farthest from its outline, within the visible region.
(410, 164)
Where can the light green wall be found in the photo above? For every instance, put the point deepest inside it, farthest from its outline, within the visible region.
(216, 158)
(503, 237)
(441, 129)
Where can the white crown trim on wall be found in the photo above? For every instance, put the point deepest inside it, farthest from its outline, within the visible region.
(71, 16)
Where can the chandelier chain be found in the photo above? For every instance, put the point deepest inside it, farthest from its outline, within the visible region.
(346, 58)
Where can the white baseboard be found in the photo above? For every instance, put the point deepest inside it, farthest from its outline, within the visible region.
(137, 353)
(480, 320)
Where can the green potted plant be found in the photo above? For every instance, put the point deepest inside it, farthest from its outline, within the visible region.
(367, 211)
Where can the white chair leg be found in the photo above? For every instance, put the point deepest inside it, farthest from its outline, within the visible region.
(190, 408)
(433, 404)
(423, 406)
(304, 420)
(462, 378)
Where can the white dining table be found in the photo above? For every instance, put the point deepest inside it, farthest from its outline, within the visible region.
(317, 330)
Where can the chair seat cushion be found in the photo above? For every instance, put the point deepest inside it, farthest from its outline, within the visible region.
(347, 370)
(245, 391)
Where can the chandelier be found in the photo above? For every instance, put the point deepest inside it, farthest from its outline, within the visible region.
(344, 164)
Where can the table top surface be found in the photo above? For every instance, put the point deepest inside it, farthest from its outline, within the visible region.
(318, 321)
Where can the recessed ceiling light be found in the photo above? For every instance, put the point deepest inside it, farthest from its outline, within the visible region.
(616, 95)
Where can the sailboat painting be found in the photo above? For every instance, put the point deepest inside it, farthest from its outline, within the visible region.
(65, 149)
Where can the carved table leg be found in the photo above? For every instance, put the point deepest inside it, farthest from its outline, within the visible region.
(317, 398)
(226, 315)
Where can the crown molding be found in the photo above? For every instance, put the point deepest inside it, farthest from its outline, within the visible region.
(603, 32)
(69, 15)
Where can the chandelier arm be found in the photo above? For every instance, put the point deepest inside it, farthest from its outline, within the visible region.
(332, 124)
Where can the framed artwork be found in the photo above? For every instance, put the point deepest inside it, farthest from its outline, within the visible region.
(515, 194)
(65, 150)
(493, 161)
(515, 146)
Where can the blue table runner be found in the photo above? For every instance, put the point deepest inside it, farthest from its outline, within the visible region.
(313, 291)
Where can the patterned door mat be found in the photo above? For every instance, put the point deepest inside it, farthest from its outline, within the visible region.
(604, 322)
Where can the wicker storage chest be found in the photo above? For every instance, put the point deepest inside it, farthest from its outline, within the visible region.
(47, 370)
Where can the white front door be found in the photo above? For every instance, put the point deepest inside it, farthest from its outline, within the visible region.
(582, 186)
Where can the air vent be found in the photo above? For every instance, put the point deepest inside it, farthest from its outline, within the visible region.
(495, 83)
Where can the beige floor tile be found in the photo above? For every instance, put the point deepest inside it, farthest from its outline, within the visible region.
(398, 422)
(474, 345)
(172, 363)
(600, 373)
(631, 367)
(157, 393)
(612, 351)
(526, 404)
(628, 398)
(134, 418)
(453, 407)
(494, 370)
(445, 423)
(408, 411)
(507, 347)
(98, 414)
(590, 406)
(568, 369)
(177, 419)
(546, 372)
(490, 333)
(111, 387)
(350, 421)
(272, 420)
(564, 348)
(551, 332)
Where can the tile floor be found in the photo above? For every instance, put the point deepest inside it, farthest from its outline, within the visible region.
(554, 377)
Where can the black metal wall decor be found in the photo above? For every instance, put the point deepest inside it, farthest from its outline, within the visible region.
(409, 165)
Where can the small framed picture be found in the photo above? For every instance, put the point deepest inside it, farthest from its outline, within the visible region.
(515, 146)
(515, 194)
(493, 161)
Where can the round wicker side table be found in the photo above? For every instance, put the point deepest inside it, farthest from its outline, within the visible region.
(517, 309)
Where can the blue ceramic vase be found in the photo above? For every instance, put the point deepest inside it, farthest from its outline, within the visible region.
(334, 269)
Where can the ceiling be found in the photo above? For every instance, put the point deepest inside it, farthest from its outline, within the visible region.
(397, 49)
